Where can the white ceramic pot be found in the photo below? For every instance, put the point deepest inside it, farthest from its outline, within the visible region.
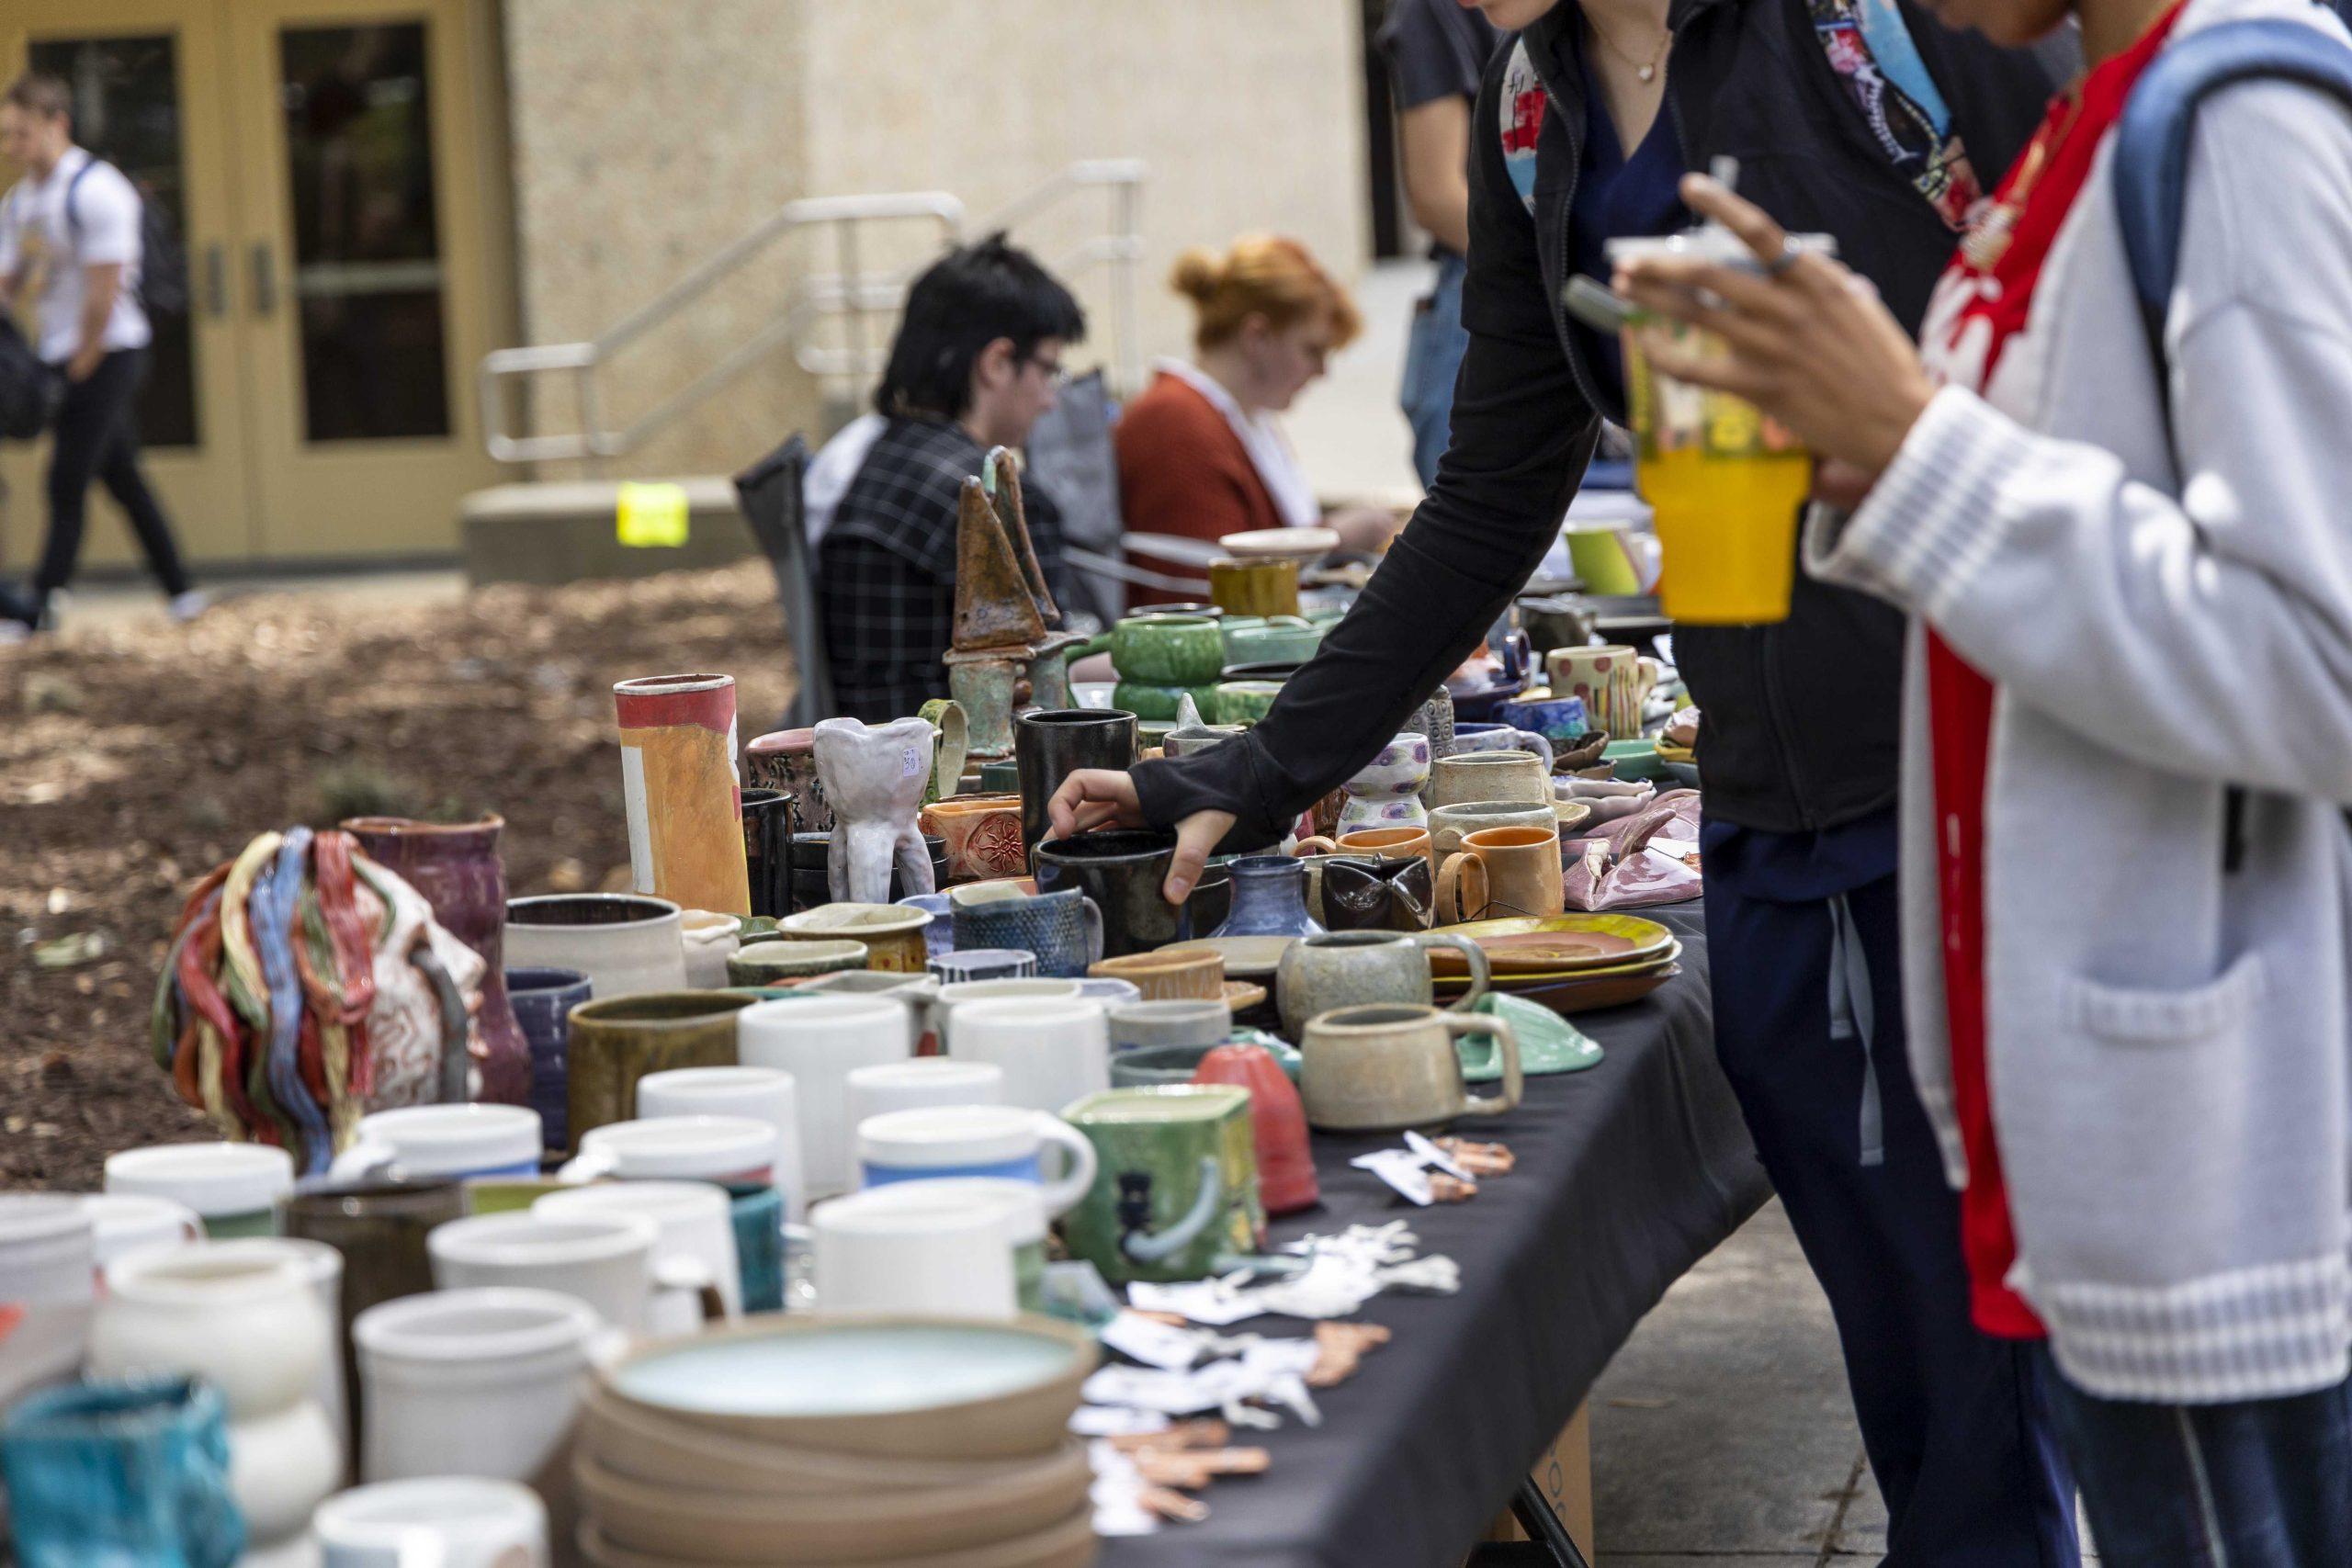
(442, 1521)
(130, 1222)
(1052, 1053)
(48, 1282)
(709, 940)
(625, 943)
(605, 1260)
(234, 1187)
(819, 1040)
(697, 1224)
(936, 1253)
(764, 1094)
(482, 1383)
(321, 1266)
(281, 1466)
(925, 1080)
(690, 1148)
(447, 1142)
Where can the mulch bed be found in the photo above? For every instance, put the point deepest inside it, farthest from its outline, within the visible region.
(134, 759)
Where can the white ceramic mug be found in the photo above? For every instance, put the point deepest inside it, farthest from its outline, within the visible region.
(764, 1094)
(606, 1260)
(321, 1266)
(234, 1187)
(132, 1222)
(440, 1521)
(676, 1148)
(697, 1224)
(446, 1143)
(935, 1142)
(1053, 1052)
(473, 1381)
(884, 1251)
(925, 1080)
(48, 1273)
(819, 1040)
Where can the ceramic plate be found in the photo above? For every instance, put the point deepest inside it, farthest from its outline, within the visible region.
(842, 1370)
(1523, 982)
(1246, 957)
(1547, 1042)
(1573, 815)
(1589, 993)
(1281, 544)
(1560, 944)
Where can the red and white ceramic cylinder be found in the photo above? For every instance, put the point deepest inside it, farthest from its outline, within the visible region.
(685, 802)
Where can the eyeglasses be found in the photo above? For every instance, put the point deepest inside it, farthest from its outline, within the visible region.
(1057, 373)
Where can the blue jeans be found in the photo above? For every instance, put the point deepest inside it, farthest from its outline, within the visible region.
(2263, 1483)
(1433, 359)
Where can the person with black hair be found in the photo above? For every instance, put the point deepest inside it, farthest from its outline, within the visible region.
(976, 362)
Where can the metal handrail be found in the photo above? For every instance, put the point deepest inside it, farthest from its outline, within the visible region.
(851, 293)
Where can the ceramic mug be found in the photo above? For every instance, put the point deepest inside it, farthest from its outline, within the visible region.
(1051, 1051)
(893, 936)
(820, 1040)
(1388, 1068)
(543, 1000)
(697, 1226)
(1501, 871)
(1064, 928)
(1190, 1021)
(939, 927)
(618, 1041)
(48, 1287)
(779, 963)
(975, 1140)
(478, 1382)
(1176, 1197)
(710, 939)
(1384, 843)
(1377, 893)
(1489, 775)
(1054, 743)
(1188, 973)
(925, 1081)
(983, 833)
(234, 1187)
(769, 823)
(1020, 1207)
(1264, 588)
(441, 1521)
(1612, 681)
(605, 1260)
(929, 1253)
(625, 943)
(1449, 825)
(128, 1222)
(768, 1095)
(1560, 720)
(1353, 968)
(676, 1148)
(444, 1142)
(984, 963)
(1123, 871)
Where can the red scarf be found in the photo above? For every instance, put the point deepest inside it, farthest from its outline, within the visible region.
(1980, 306)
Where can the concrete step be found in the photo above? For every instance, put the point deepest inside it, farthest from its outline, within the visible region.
(557, 531)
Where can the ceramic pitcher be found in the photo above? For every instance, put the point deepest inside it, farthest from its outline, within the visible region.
(1176, 1194)
(1390, 1067)
(1353, 968)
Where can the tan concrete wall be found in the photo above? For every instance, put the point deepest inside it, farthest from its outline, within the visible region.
(642, 144)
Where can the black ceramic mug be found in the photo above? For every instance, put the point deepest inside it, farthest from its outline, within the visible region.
(1121, 871)
(1053, 743)
(768, 822)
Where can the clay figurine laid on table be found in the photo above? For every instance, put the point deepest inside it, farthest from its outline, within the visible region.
(1341, 969)
(873, 777)
(680, 792)
(1387, 791)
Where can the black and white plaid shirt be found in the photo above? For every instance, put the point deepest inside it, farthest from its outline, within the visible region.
(885, 568)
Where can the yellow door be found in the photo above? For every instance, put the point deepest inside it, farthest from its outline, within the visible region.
(148, 93)
(362, 255)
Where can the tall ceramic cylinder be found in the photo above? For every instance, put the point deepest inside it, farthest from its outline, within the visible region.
(684, 803)
(1049, 746)
(544, 997)
(457, 868)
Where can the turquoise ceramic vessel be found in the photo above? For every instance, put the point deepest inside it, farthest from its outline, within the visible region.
(122, 1472)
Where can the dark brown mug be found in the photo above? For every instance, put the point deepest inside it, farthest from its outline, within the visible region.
(1378, 892)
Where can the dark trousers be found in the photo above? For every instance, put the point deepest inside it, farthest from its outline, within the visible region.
(2263, 1483)
(97, 437)
(1809, 1026)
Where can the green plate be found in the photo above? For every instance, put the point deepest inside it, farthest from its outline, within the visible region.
(1547, 1042)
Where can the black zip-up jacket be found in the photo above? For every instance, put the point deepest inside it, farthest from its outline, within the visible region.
(1799, 719)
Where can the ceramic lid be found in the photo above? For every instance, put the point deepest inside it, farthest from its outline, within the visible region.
(948, 1135)
(456, 1140)
(213, 1179)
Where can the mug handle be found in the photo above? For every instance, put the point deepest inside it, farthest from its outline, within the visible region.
(1071, 1187)
(1451, 909)
(1459, 1024)
(1653, 672)
(1481, 974)
(361, 1160)
(588, 1165)
(1093, 929)
(1314, 844)
(685, 1297)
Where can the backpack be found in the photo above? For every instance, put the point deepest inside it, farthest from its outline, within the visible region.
(163, 264)
(2151, 174)
(29, 391)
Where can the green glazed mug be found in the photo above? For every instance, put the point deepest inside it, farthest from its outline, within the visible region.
(1175, 1193)
(616, 1042)
(1245, 702)
(1158, 703)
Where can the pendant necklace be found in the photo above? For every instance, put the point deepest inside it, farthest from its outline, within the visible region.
(1645, 69)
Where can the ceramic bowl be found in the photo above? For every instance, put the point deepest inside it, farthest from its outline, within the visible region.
(1070, 1543)
(1633, 761)
(907, 1387)
(773, 962)
(1245, 702)
(1147, 1066)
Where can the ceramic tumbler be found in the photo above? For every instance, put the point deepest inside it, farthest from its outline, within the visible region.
(1063, 928)
(615, 1042)
(1489, 775)
(48, 1287)
(235, 1187)
(1613, 681)
(819, 1040)
(131, 1470)
(1176, 1195)
(607, 1260)
(697, 1222)
(784, 961)
(982, 835)
(543, 1000)
(929, 1080)
(1123, 872)
(757, 1211)
(763, 1094)
(1254, 587)
(449, 1521)
(1051, 745)
(1501, 871)
(892, 933)
(122, 1222)
(785, 760)
(768, 827)
(623, 942)
(480, 1381)
(1051, 1051)
(680, 792)
(886, 1250)
(1388, 1068)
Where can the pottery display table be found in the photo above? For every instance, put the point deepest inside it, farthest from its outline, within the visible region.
(1628, 1174)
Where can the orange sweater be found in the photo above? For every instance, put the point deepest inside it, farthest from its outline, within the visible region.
(1183, 470)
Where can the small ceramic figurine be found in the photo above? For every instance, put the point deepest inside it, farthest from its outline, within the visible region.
(874, 778)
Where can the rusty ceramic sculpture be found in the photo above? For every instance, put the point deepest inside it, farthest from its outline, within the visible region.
(1003, 613)
(873, 777)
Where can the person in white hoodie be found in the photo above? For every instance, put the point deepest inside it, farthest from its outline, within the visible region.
(2126, 758)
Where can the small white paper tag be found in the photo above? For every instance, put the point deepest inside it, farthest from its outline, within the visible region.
(910, 764)
(1153, 1344)
(1210, 1303)
(1115, 1421)
(1402, 1170)
(1432, 1155)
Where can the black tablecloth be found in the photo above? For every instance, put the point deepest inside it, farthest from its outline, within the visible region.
(1628, 1174)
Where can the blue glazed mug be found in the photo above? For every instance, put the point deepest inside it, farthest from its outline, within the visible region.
(543, 1000)
(132, 1472)
(983, 963)
(1002, 1141)
(1064, 928)
(1557, 720)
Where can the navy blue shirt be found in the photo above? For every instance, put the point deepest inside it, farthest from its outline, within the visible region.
(1619, 196)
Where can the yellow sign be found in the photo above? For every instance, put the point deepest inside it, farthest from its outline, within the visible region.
(652, 516)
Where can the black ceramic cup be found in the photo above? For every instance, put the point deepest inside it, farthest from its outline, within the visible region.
(1377, 893)
(1053, 743)
(1121, 871)
(768, 822)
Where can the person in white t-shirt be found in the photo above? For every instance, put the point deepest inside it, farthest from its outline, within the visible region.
(69, 258)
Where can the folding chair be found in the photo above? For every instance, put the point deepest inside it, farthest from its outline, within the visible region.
(770, 493)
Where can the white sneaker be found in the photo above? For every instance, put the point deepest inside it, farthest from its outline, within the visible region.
(188, 605)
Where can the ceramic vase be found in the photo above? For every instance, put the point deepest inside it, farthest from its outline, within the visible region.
(457, 868)
(1387, 791)
(768, 825)
(1278, 1118)
(543, 1001)
(1269, 898)
(623, 942)
(1050, 746)
(873, 777)
(785, 760)
(252, 1327)
(127, 1471)
(685, 809)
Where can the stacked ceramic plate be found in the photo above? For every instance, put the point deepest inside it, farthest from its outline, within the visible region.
(1569, 963)
(819, 1443)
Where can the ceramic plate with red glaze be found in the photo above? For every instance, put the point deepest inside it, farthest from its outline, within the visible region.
(1555, 944)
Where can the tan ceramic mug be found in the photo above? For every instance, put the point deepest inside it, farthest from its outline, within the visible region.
(1501, 871)
(1167, 976)
(1387, 843)
(1489, 775)
(1392, 1066)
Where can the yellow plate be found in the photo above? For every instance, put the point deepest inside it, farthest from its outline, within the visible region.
(1648, 938)
(1552, 976)
(1667, 753)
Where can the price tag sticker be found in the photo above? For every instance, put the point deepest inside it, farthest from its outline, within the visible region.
(651, 516)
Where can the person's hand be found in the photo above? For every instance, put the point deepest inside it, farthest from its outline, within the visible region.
(1101, 798)
(1807, 341)
(83, 365)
